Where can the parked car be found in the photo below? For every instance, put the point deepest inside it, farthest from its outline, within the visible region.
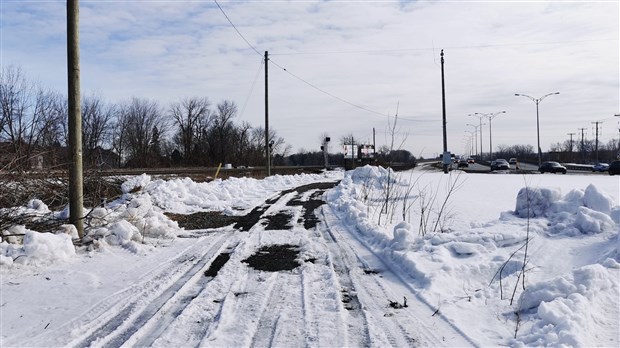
(500, 164)
(600, 167)
(512, 161)
(614, 168)
(463, 163)
(552, 167)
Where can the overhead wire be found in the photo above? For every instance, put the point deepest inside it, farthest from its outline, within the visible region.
(303, 80)
(247, 99)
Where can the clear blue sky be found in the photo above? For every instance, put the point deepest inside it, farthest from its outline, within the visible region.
(376, 55)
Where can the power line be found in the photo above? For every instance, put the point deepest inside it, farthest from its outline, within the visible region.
(301, 79)
(237, 30)
(445, 47)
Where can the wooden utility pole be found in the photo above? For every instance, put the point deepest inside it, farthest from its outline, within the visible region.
(571, 145)
(267, 147)
(596, 141)
(76, 197)
(583, 148)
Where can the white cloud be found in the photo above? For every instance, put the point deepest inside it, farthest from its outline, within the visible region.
(389, 54)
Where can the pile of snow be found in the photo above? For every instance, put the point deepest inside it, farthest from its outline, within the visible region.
(470, 270)
(573, 264)
(578, 212)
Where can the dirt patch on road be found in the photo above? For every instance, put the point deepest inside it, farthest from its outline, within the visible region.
(275, 258)
(280, 221)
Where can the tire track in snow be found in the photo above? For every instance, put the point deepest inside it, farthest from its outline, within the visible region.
(357, 322)
(406, 319)
(117, 330)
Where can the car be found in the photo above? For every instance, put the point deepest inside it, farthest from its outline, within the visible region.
(614, 168)
(471, 161)
(512, 161)
(500, 164)
(552, 167)
(600, 167)
(463, 163)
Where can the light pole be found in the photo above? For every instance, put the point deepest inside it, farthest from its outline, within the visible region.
(472, 136)
(490, 116)
(480, 119)
(476, 137)
(537, 101)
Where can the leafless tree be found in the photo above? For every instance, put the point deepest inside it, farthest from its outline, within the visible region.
(136, 124)
(191, 116)
(97, 117)
(29, 115)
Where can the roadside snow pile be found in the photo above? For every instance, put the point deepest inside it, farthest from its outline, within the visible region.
(38, 249)
(578, 212)
(232, 196)
(573, 262)
(568, 310)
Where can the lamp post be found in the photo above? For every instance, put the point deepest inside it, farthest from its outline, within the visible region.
(480, 119)
(470, 142)
(537, 101)
(476, 137)
(490, 116)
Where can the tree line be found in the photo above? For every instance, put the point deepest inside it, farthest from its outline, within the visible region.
(139, 132)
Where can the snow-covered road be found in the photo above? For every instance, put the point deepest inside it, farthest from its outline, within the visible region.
(341, 295)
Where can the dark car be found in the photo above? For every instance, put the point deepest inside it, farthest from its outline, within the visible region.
(463, 163)
(600, 167)
(614, 168)
(500, 164)
(552, 167)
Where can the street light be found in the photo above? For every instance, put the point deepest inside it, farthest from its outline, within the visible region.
(480, 119)
(537, 101)
(470, 142)
(476, 138)
(491, 116)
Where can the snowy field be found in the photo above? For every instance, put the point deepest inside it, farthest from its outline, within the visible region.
(518, 260)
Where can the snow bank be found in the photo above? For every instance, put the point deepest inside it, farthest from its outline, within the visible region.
(586, 211)
(568, 308)
(37, 249)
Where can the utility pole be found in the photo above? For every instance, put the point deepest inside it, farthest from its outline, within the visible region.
(267, 148)
(76, 196)
(446, 156)
(571, 145)
(583, 149)
(596, 141)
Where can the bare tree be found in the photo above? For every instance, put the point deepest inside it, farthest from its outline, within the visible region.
(220, 134)
(29, 115)
(138, 119)
(191, 116)
(97, 119)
